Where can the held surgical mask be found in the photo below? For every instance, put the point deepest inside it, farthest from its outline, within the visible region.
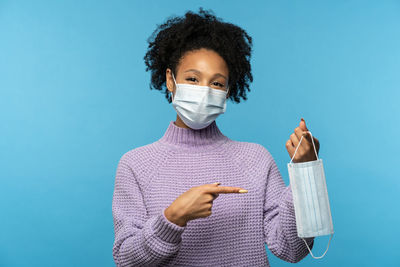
(198, 106)
(310, 198)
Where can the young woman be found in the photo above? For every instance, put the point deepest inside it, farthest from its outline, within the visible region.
(165, 206)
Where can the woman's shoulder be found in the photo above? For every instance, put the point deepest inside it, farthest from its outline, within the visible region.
(251, 147)
(251, 152)
(140, 156)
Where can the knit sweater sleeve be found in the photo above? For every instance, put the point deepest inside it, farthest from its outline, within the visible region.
(280, 230)
(140, 240)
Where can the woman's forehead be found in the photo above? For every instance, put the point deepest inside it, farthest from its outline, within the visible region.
(205, 62)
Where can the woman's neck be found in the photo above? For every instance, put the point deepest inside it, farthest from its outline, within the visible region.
(180, 123)
(191, 140)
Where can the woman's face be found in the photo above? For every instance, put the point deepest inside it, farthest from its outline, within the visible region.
(200, 67)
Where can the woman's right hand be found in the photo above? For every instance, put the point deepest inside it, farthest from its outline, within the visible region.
(196, 202)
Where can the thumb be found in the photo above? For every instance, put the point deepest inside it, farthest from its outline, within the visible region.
(303, 125)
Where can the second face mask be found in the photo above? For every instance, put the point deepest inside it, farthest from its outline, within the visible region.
(310, 198)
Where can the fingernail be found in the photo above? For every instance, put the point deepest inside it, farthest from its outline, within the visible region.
(243, 191)
(302, 119)
(217, 183)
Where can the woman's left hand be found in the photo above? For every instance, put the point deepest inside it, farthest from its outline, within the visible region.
(305, 152)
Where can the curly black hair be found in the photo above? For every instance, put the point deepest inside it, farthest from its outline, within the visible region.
(178, 35)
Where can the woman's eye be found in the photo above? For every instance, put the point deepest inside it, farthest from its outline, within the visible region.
(192, 79)
(219, 84)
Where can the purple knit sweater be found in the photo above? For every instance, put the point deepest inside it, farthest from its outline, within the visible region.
(149, 178)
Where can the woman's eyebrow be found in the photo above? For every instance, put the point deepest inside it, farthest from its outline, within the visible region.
(194, 70)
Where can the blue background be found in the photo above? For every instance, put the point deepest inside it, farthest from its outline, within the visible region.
(74, 97)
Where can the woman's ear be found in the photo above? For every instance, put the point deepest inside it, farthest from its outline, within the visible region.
(168, 80)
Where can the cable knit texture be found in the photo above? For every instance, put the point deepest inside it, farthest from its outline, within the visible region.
(149, 178)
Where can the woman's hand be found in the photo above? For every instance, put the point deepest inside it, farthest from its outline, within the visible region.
(196, 202)
(305, 152)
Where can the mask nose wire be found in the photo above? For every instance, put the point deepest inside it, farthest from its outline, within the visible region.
(172, 95)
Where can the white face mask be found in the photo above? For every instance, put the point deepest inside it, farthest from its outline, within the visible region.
(310, 198)
(198, 106)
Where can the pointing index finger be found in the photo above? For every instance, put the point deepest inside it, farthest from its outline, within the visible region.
(226, 190)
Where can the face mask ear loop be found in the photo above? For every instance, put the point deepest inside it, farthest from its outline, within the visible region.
(312, 139)
(172, 95)
(324, 252)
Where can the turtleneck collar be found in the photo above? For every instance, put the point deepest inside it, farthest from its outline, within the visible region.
(189, 139)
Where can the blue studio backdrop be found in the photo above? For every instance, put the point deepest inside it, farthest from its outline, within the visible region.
(74, 97)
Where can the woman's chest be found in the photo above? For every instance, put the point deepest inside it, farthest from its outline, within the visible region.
(175, 177)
